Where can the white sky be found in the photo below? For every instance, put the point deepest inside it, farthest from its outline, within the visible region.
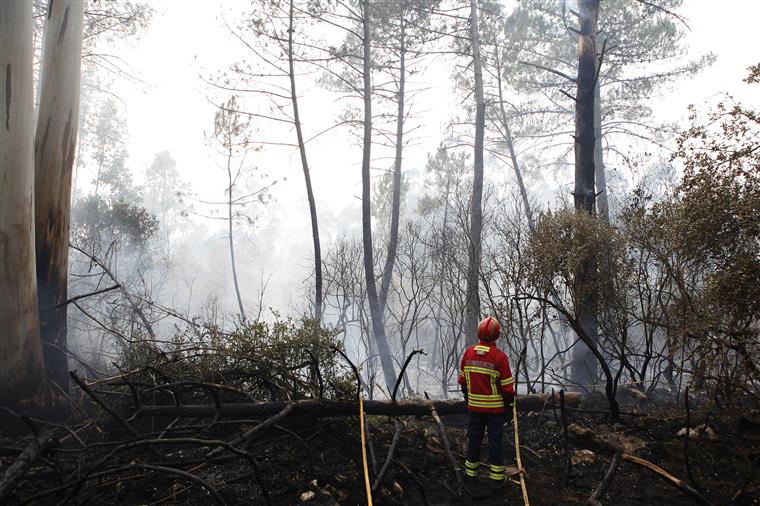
(170, 112)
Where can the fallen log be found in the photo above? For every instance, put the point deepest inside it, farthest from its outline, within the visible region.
(533, 402)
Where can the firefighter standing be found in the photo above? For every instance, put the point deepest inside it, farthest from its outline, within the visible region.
(489, 389)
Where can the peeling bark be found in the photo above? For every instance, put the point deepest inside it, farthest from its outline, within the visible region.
(55, 147)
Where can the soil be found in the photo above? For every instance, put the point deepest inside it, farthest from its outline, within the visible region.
(318, 461)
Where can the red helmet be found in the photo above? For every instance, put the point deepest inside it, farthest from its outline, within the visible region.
(489, 329)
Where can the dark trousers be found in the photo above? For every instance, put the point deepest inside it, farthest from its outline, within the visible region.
(476, 428)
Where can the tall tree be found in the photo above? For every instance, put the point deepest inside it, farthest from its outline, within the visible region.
(584, 364)
(54, 150)
(22, 377)
(232, 131)
(390, 256)
(273, 35)
(646, 50)
(472, 308)
(376, 311)
(306, 173)
(404, 33)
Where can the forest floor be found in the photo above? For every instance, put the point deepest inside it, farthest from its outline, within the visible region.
(311, 460)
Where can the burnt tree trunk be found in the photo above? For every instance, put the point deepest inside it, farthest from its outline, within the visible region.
(390, 257)
(376, 314)
(600, 174)
(306, 174)
(584, 366)
(22, 376)
(327, 407)
(54, 150)
(472, 297)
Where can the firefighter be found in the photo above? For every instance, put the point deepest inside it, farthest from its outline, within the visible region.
(489, 390)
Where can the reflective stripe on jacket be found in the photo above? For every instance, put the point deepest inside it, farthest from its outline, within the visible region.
(485, 372)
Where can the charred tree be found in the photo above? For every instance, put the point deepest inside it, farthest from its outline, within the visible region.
(54, 150)
(376, 312)
(22, 376)
(306, 173)
(390, 257)
(472, 297)
(600, 175)
(584, 365)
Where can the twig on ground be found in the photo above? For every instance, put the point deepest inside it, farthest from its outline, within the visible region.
(102, 404)
(680, 484)
(416, 481)
(36, 447)
(602, 488)
(749, 479)
(686, 438)
(447, 447)
(379, 476)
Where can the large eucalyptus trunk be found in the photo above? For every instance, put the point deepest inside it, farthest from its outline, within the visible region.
(22, 377)
(390, 257)
(472, 297)
(376, 313)
(54, 149)
(584, 364)
(306, 174)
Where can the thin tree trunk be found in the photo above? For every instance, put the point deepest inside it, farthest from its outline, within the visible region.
(511, 148)
(439, 310)
(390, 257)
(584, 365)
(22, 376)
(229, 229)
(599, 168)
(54, 150)
(389, 371)
(472, 301)
(306, 175)
(518, 174)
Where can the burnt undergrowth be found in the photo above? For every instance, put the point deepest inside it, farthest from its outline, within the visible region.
(107, 453)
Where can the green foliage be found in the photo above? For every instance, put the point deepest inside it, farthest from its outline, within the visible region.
(565, 241)
(102, 223)
(645, 53)
(754, 74)
(704, 243)
(266, 361)
(445, 173)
